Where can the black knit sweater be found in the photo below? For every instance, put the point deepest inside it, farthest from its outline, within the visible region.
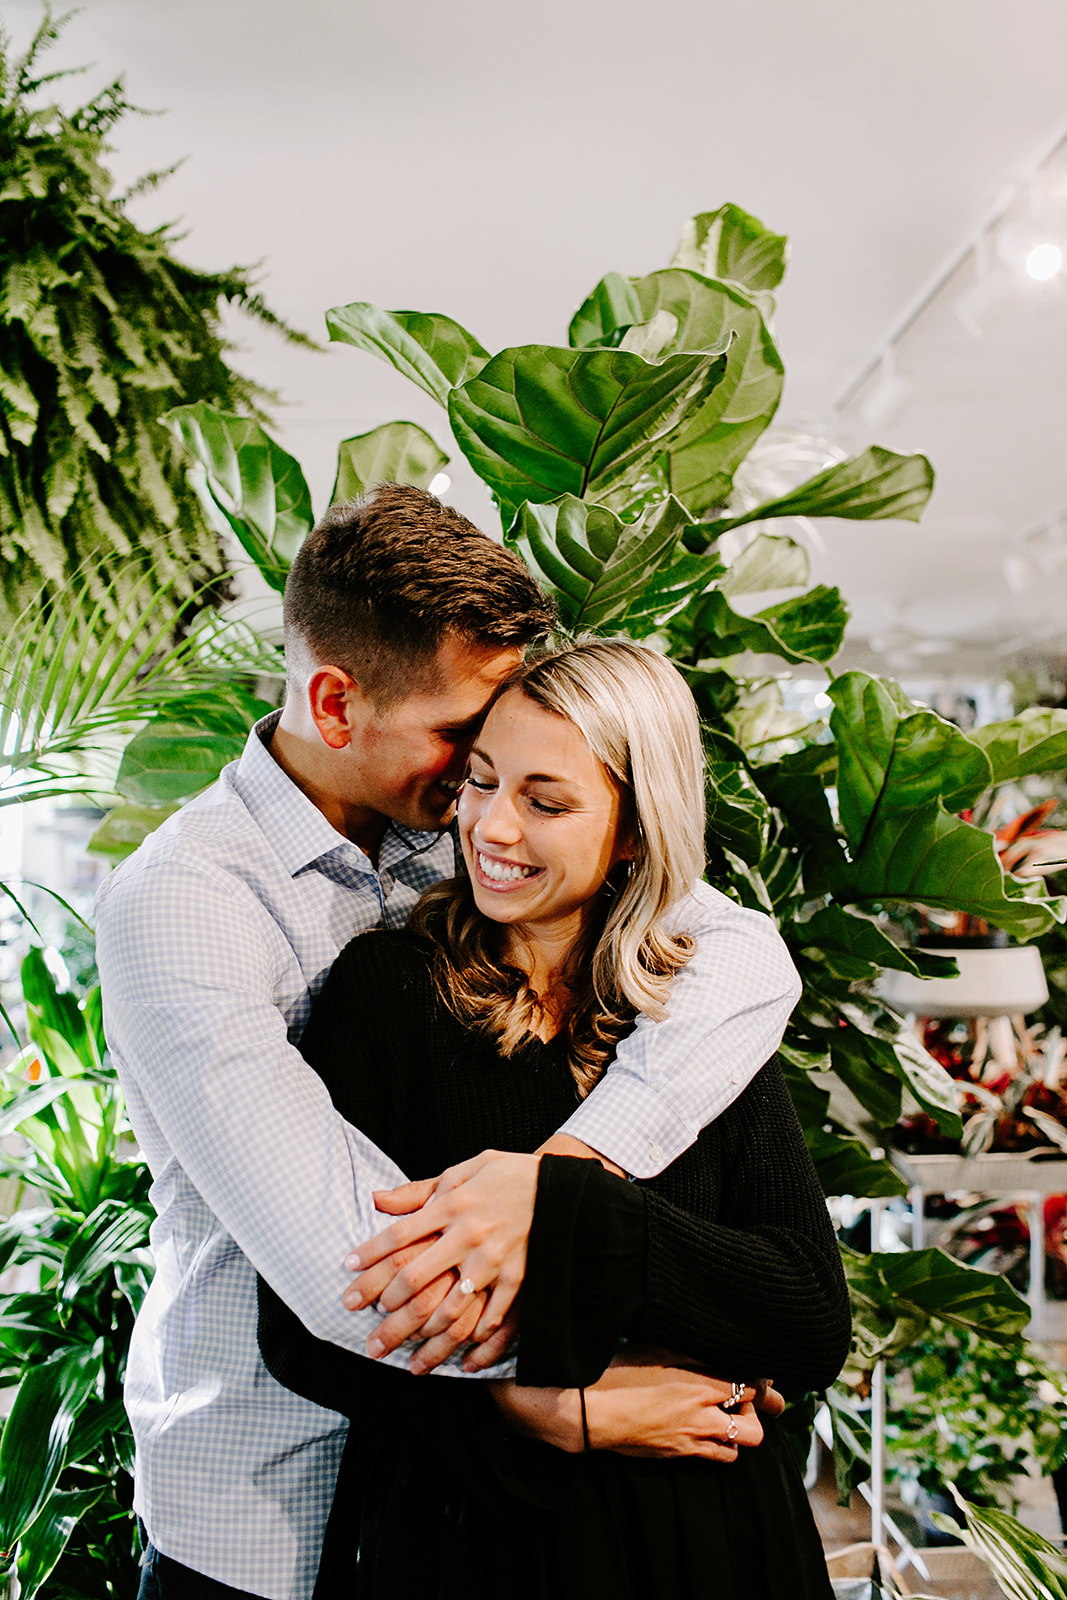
(728, 1256)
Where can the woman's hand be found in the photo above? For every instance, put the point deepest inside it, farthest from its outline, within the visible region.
(638, 1409)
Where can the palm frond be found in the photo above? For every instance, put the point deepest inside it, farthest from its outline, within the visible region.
(77, 674)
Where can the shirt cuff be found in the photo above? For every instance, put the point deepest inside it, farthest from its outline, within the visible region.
(632, 1124)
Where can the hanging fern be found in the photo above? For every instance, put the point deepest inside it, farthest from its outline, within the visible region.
(101, 330)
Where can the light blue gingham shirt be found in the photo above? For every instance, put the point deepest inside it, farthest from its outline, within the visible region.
(212, 940)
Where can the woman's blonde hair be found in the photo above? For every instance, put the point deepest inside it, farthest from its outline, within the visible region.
(639, 719)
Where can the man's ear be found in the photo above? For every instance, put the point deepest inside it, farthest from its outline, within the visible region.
(336, 704)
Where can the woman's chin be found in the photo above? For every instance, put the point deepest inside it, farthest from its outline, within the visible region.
(496, 904)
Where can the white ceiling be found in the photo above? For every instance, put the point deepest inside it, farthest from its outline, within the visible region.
(492, 161)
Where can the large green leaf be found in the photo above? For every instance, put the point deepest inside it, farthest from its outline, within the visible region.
(852, 1453)
(685, 312)
(167, 761)
(1034, 741)
(46, 1538)
(51, 1007)
(731, 243)
(769, 561)
(707, 449)
(34, 1443)
(931, 858)
(397, 452)
(898, 768)
(876, 484)
(854, 947)
(894, 757)
(30, 1103)
(738, 816)
(591, 561)
(895, 1047)
(845, 1166)
(430, 349)
(954, 1293)
(874, 1084)
(875, 1055)
(807, 628)
(538, 422)
(1026, 1566)
(259, 489)
(895, 1296)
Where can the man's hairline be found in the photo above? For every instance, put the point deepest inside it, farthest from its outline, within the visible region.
(430, 681)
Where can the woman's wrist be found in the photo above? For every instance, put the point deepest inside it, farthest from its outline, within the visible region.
(552, 1415)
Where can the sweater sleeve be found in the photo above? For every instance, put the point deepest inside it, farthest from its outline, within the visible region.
(757, 1292)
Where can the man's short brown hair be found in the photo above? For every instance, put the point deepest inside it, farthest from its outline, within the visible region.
(378, 585)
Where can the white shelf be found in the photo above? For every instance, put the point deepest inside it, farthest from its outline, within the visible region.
(1031, 1176)
(999, 1173)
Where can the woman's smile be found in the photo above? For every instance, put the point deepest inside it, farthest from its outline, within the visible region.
(497, 873)
(538, 821)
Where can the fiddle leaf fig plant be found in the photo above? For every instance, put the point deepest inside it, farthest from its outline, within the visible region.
(613, 460)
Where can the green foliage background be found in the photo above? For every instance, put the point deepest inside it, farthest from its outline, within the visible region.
(102, 329)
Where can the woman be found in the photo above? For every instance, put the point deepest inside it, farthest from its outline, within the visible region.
(581, 825)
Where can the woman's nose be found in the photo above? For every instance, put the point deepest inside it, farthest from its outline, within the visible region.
(499, 822)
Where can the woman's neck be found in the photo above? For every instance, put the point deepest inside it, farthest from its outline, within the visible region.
(544, 963)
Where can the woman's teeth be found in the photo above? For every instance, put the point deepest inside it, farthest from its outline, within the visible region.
(500, 872)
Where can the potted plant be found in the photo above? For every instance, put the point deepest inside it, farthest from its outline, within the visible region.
(966, 1411)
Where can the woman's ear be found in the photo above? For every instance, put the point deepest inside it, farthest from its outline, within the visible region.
(629, 836)
(335, 701)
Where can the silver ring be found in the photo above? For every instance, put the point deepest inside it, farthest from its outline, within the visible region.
(731, 1432)
(737, 1391)
(466, 1286)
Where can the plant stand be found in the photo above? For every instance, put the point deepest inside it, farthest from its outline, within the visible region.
(1031, 1176)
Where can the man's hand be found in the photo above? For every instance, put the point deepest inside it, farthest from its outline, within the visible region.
(471, 1225)
(639, 1410)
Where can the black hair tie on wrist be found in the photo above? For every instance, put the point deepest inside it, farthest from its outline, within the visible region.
(585, 1421)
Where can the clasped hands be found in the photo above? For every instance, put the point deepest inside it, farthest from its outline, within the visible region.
(469, 1228)
(448, 1271)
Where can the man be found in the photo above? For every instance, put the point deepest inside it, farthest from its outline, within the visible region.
(402, 622)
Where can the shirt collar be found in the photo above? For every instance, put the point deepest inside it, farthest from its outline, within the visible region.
(294, 825)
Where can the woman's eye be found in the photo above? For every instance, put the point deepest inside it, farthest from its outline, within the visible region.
(483, 785)
(546, 810)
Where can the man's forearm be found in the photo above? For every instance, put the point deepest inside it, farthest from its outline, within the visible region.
(727, 1010)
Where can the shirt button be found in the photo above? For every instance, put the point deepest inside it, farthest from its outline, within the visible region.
(386, 882)
(654, 1151)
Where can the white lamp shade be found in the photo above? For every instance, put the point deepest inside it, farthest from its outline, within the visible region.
(992, 983)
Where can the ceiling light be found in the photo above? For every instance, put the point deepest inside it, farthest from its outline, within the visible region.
(440, 484)
(1044, 261)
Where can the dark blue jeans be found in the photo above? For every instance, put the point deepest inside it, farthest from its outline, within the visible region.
(164, 1579)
